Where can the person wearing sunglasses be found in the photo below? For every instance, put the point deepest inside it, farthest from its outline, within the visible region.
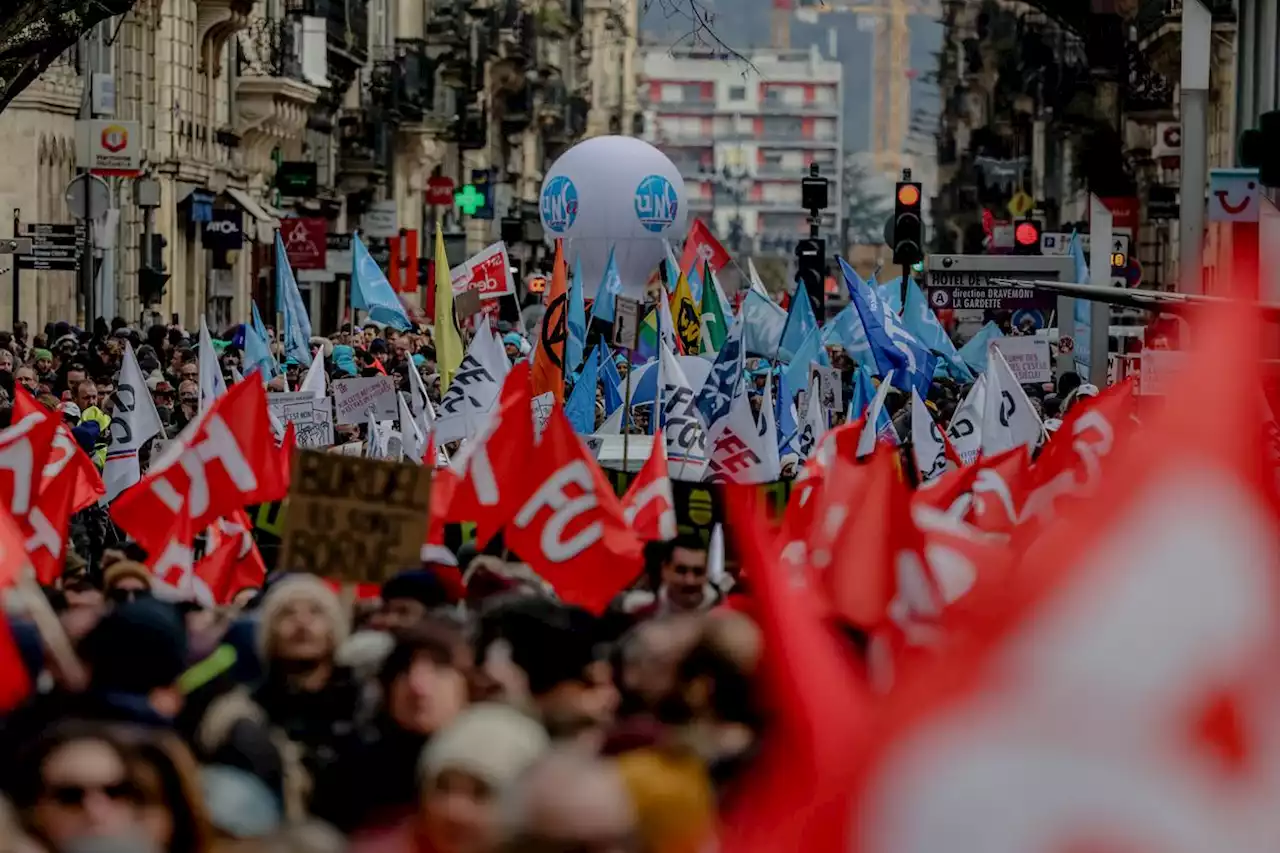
(74, 783)
(126, 581)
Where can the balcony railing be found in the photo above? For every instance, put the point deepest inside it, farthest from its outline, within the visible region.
(346, 21)
(1154, 14)
(270, 49)
(403, 79)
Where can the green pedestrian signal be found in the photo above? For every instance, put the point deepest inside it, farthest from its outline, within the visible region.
(469, 199)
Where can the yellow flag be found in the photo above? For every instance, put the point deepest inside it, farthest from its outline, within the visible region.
(448, 341)
(687, 317)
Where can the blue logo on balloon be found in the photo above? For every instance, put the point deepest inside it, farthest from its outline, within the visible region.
(656, 203)
(559, 204)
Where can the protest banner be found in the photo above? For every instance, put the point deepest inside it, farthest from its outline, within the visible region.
(353, 519)
(1028, 358)
(311, 416)
(487, 272)
(830, 392)
(466, 304)
(353, 398)
(1157, 370)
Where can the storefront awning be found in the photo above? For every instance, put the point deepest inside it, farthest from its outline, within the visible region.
(267, 224)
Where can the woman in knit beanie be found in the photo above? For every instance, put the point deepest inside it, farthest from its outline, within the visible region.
(465, 768)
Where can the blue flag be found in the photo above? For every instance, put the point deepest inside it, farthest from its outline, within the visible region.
(810, 352)
(864, 391)
(974, 352)
(576, 321)
(727, 371)
(1083, 310)
(892, 346)
(610, 286)
(920, 321)
(800, 322)
(762, 323)
(370, 290)
(581, 405)
(610, 379)
(257, 347)
(846, 330)
(297, 325)
(891, 294)
(785, 415)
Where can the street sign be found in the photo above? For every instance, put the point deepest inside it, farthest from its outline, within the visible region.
(439, 191)
(964, 283)
(53, 247)
(1056, 243)
(109, 147)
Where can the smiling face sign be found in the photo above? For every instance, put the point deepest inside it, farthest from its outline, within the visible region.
(1233, 195)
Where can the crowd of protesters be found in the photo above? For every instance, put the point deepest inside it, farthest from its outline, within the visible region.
(464, 710)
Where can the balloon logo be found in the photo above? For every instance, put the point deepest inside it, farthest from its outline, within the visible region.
(559, 204)
(657, 203)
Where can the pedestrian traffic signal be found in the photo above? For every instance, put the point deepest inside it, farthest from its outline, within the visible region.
(152, 275)
(1026, 237)
(908, 224)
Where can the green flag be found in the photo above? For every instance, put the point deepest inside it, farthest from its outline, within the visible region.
(713, 325)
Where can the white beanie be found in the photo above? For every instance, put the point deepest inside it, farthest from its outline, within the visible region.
(494, 743)
(294, 588)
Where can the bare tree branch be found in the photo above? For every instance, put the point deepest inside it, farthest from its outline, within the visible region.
(701, 27)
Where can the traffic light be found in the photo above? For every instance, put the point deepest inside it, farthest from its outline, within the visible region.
(152, 275)
(1026, 237)
(811, 271)
(1260, 149)
(908, 224)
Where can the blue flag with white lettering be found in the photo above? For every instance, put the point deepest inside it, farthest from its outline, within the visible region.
(727, 371)
(892, 346)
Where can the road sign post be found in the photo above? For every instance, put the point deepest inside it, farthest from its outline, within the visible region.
(968, 283)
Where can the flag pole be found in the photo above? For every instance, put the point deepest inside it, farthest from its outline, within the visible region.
(626, 416)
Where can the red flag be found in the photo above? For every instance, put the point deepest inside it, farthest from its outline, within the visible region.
(482, 491)
(15, 681)
(232, 561)
(568, 524)
(13, 553)
(24, 448)
(548, 358)
(226, 462)
(1124, 696)
(649, 504)
(173, 562)
(820, 704)
(701, 248)
(999, 488)
(69, 483)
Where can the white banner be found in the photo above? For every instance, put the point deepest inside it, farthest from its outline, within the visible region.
(1028, 358)
(311, 416)
(354, 397)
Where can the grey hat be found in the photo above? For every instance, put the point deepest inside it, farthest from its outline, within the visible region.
(492, 742)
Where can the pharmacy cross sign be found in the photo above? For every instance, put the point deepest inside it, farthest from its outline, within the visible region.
(469, 199)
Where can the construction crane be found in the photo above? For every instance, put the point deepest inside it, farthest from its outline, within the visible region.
(891, 63)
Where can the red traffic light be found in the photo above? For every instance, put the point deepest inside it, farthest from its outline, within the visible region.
(908, 195)
(1026, 234)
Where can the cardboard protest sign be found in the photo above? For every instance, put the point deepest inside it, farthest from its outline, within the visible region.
(311, 416)
(352, 399)
(352, 519)
(1157, 371)
(466, 304)
(626, 324)
(1028, 358)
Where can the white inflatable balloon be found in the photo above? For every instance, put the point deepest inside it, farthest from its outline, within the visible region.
(619, 192)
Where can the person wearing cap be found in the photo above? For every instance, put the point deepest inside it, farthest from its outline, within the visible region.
(126, 581)
(409, 597)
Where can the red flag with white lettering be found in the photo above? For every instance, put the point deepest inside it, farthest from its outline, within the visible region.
(1124, 697)
(649, 505)
(69, 483)
(490, 473)
(232, 562)
(228, 461)
(568, 525)
(24, 449)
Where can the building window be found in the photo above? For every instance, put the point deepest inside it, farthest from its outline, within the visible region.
(672, 93)
(783, 127)
(737, 93)
(691, 93)
(772, 96)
